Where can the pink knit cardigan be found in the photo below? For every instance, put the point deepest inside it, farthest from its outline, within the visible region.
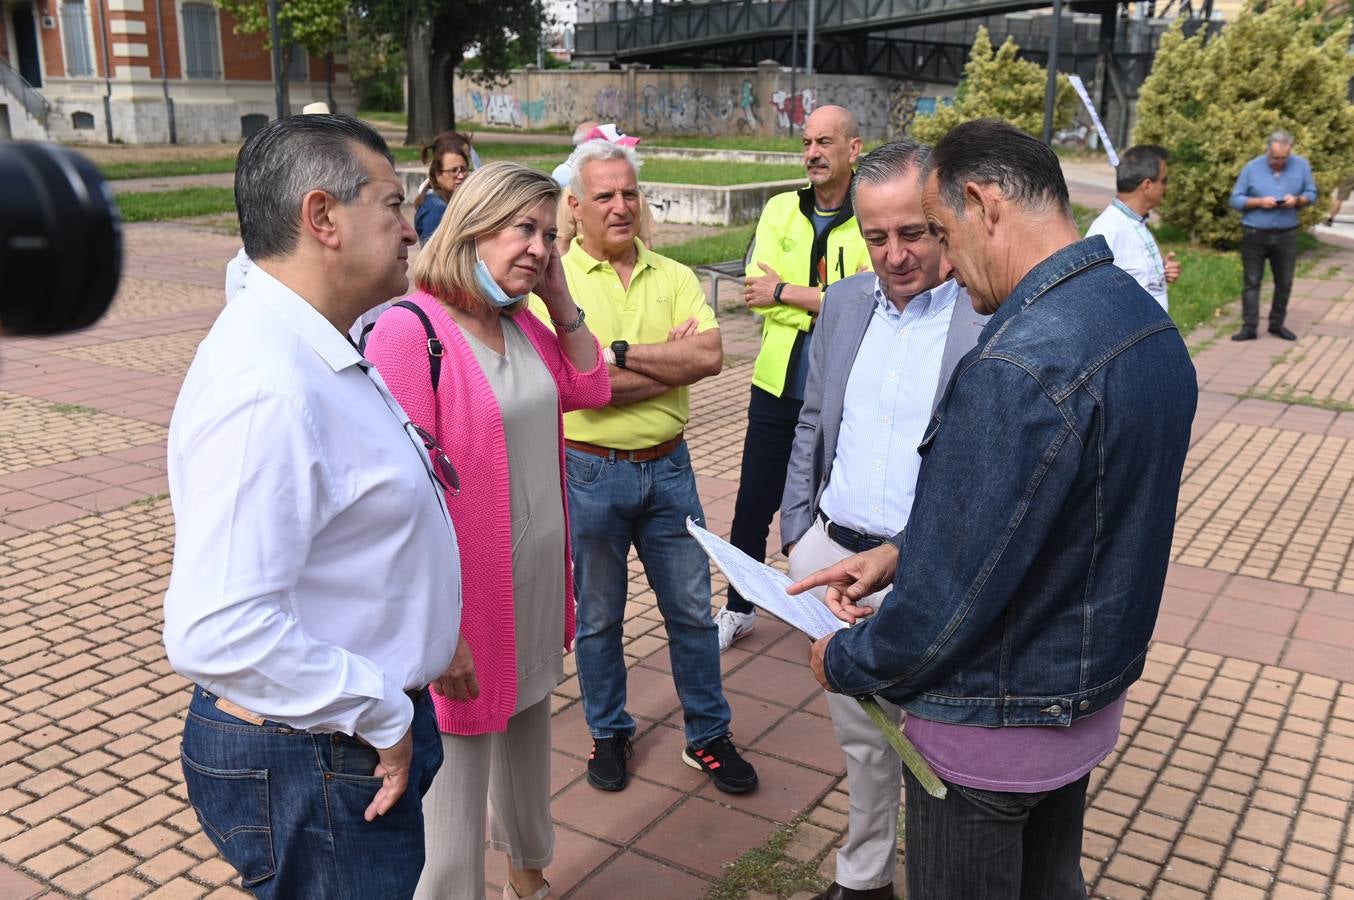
(469, 426)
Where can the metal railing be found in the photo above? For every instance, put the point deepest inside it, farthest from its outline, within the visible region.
(33, 102)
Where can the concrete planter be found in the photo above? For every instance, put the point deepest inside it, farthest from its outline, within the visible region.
(684, 204)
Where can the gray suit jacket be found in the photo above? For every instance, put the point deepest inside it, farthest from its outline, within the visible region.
(847, 309)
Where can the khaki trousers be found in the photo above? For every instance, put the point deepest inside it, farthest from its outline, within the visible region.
(873, 770)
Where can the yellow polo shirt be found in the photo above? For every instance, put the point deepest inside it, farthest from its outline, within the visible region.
(662, 295)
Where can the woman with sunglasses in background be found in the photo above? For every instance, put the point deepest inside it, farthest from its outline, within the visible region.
(449, 161)
(489, 382)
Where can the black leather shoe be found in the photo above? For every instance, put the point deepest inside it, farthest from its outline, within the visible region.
(1245, 334)
(1280, 332)
(837, 892)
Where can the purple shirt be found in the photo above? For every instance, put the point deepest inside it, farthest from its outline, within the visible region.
(1021, 760)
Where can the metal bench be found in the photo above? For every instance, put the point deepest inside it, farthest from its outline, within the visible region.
(733, 269)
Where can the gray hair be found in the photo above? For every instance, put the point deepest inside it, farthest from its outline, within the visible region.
(1279, 137)
(286, 160)
(597, 150)
(889, 162)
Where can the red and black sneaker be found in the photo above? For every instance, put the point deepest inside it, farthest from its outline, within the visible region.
(606, 765)
(720, 760)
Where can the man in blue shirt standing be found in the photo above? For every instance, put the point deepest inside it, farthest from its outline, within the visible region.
(1269, 192)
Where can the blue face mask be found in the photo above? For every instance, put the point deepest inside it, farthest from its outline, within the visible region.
(497, 296)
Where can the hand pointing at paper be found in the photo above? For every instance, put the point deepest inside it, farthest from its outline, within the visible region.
(851, 580)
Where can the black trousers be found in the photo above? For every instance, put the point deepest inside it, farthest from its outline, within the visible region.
(1280, 247)
(994, 846)
(766, 457)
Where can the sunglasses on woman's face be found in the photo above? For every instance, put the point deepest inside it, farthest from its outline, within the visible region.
(442, 467)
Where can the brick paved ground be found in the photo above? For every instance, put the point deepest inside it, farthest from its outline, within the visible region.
(1233, 777)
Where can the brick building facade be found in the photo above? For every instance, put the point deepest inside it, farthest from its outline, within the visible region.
(56, 79)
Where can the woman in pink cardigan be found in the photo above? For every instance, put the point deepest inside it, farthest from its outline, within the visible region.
(489, 383)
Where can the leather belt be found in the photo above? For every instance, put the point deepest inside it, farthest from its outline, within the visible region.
(850, 539)
(253, 718)
(648, 454)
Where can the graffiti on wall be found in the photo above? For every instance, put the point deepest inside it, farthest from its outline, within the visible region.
(712, 103)
(684, 110)
(747, 103)
(904, 104)
(792, 109)
(502, 109)
(609, 104)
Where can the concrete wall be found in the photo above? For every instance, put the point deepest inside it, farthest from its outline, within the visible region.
(688, 101)
(204, 111)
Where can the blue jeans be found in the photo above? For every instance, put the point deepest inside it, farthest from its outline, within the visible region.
(998, 846)
(284, 807)
(612, 504)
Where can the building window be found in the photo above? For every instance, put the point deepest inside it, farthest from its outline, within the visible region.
(299, 68)
(75, 36)
(82, 121)
(199, 41)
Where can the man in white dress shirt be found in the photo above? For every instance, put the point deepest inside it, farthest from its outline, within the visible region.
(316, 583)
(885, 346)
(1140, 181)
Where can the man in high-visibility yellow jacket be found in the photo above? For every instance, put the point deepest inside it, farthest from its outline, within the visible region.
(806, 240)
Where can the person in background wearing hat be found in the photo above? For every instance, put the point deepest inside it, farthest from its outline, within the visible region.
(568, 225)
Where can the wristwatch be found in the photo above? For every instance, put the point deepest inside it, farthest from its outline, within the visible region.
(620, 348)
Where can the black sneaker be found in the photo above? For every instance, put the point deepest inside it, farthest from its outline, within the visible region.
(720, 760)
(606, 765)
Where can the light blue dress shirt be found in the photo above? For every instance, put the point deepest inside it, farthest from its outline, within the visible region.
(887, 407)
(1257, 179)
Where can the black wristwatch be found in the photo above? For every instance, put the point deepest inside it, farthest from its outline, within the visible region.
(620, 348)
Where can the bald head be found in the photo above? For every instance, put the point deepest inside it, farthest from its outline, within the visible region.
(833, 118)
(831, 145)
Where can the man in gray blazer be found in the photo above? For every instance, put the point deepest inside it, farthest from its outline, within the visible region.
(886, 344)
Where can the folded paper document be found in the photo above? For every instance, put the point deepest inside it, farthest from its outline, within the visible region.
(766, 586)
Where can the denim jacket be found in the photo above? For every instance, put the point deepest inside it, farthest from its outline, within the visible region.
(1033, 563)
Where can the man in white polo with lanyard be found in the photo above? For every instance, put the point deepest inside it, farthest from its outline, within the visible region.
(1140, 181)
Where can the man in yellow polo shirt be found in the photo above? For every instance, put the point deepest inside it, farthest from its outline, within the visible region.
(629, 473)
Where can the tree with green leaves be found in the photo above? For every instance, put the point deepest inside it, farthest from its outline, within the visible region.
(315, 25)
(439, 34)
(998, 84)
(1212, 102)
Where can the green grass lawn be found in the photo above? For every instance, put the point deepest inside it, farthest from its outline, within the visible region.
(728, 244)
(153, 206)
(1209, 278)
(164, 168)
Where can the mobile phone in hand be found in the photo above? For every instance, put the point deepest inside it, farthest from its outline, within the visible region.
(1279, 201)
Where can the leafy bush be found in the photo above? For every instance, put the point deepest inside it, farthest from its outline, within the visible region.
(998, 85)
(1212, 105)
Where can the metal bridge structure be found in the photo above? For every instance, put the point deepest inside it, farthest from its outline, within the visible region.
(912, 40)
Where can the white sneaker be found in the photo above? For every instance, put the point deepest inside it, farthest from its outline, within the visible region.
(732, 626)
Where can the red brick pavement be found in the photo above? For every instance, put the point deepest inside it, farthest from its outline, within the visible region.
(1233, 776)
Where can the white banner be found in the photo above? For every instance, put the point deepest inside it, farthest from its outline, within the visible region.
(1095, 118)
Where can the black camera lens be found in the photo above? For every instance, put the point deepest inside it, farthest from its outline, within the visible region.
(60, 240)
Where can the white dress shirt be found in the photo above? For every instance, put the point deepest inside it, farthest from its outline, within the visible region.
(316, 574)
(238, 269)
(1135, 249)
(885, 411)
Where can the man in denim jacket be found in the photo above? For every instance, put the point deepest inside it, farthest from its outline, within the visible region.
(1028, 579)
